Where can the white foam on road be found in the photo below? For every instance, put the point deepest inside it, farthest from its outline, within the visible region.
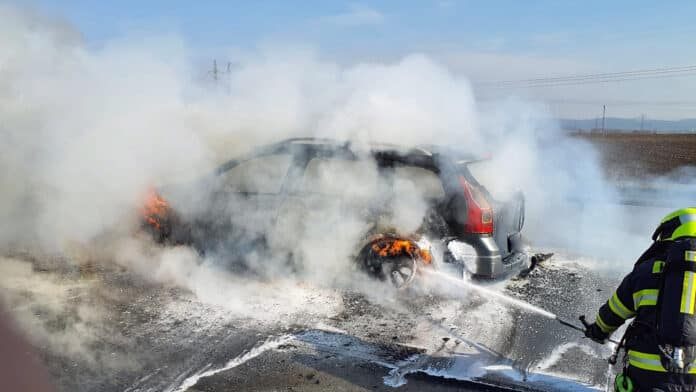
(397, 376)
(559, 351)
(269, 344)
(474, 370)
(473, 366)
(469, 367)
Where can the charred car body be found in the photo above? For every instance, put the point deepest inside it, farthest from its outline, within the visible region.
(239, 204)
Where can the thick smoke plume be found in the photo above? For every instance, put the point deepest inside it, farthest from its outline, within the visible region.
(87, 132)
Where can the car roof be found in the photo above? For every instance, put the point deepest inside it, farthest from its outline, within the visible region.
(416, 150)
(422, 155)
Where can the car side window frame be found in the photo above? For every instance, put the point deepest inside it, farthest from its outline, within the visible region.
(430, 169)
(231, 165)
(301, 162)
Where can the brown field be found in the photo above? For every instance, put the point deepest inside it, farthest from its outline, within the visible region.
(642, 154)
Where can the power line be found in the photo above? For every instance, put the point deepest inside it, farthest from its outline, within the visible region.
(600, 75)
(655, 73)
(619, 102)
(596, 81)
(599, 81)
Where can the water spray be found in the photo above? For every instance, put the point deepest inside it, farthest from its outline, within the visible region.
(512, 301)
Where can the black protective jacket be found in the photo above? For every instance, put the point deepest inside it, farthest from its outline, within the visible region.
(636, 297)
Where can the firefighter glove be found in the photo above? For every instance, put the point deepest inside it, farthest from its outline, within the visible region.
(596, 334)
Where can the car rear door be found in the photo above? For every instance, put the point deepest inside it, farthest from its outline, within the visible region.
(327, 200)
(246, 200)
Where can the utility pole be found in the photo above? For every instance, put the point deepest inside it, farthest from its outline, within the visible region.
(642, 120)
(604, 112)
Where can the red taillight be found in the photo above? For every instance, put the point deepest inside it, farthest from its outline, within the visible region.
(479, 214)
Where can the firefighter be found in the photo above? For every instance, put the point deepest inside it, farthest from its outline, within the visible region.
(660, 296)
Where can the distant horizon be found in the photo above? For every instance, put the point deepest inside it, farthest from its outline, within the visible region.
(685, 125)
(626, 118)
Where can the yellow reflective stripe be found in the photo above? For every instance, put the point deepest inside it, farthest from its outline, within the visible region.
(645, 361)
(688, 293)
(658, 266)
(652, 362)
(606, 328)
(646, 297)
(619, 308)
(690, 255)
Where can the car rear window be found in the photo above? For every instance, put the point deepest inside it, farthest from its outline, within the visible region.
(423, 182)
(484, 173)
(479, 170)
(264, 174)
(340, 177)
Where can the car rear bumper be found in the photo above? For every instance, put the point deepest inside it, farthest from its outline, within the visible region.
(488, 262)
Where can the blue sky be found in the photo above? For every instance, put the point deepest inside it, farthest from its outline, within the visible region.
(516, 26)
(485, 40)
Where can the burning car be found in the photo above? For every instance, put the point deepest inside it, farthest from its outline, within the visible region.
(244, 198)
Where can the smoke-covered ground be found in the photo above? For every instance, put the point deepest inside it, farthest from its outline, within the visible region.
(105, 327)
(84, 139)
(108, 329)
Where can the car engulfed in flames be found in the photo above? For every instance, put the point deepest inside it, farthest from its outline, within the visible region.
(241, 206)
(385, 257)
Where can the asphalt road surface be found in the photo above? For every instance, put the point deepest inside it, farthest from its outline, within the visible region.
(107, 329)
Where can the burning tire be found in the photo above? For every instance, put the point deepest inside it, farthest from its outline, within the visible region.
(392, 259)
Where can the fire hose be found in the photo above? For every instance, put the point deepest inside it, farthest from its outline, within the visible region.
(585, 326)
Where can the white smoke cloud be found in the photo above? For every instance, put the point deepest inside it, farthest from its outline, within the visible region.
(85, 132)
(87, 135)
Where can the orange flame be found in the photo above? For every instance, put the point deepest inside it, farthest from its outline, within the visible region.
(425, 255)
(395, 247)
(155, 209)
